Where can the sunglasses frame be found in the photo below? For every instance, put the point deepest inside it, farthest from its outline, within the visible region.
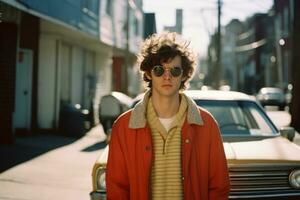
(171, 70)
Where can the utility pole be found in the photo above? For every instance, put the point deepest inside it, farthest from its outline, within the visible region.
(218, 67)
(124, 76)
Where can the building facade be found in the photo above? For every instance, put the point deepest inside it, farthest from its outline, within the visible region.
(58, 53)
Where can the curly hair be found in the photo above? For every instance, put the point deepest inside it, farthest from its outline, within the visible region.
(158, 49)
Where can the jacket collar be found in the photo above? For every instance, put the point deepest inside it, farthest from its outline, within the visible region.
(138, 115)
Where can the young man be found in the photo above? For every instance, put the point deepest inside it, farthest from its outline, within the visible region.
(166, 147)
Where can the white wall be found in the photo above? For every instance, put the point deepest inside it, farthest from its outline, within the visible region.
(46, 83)
(119, 21)
(104, 83)
(89, 61)
(65, 66)
(77, 75)
(104, 72)
(67, 61)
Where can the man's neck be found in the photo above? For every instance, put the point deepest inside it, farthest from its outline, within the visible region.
(165, 106)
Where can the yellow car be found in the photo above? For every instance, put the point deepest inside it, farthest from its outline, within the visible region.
(263, 162)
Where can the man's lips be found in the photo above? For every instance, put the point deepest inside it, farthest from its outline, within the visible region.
(167, 85)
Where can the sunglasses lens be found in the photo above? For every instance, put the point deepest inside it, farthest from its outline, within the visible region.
(176, 71)
(158, 71)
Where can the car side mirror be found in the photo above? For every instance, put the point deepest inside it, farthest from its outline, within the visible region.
(287, 132)
(111, 106)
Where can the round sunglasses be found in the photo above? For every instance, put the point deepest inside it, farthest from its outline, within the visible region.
(160, 70)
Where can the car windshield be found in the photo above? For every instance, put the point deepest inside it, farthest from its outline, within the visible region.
(239, 117)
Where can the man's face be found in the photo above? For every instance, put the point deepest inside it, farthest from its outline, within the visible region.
(166, 80)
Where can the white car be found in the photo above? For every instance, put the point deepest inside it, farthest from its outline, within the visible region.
(263, 162)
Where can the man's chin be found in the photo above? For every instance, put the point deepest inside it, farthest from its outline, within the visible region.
(169, 92)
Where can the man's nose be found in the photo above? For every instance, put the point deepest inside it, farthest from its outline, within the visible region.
(167, 74)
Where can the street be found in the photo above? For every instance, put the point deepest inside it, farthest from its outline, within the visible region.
(61, 167)
(61, 173)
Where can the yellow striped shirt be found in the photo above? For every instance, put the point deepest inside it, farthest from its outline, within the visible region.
(166, 177)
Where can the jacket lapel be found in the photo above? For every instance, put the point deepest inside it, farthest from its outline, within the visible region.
(138, 115)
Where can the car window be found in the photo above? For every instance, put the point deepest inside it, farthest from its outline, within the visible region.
(261, 123)
(239, 117)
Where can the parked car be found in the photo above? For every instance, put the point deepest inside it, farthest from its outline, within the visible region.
(263, 162)
(272, 96)
(111, 106)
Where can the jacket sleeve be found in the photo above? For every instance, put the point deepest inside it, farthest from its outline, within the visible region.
(219, 184)
(117, 182)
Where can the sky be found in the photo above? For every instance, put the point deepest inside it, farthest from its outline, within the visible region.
(200, 16)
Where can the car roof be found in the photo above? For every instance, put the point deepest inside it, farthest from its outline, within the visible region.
(270, 89)
(217, 95)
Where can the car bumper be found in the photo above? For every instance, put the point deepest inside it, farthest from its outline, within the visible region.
(97, 196)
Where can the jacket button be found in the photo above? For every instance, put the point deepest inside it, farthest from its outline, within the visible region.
(187, 141)
(183, 178)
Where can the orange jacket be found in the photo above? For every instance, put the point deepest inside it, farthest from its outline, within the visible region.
(204, 167)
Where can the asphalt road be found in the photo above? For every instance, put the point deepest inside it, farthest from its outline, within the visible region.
(47, 167)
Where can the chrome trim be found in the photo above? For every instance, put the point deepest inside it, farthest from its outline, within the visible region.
(262, 180)
(297, 185)
(101, 169)
(261, 165)
(264, 195)
(262, 174)
(97, 196)
(259, 189)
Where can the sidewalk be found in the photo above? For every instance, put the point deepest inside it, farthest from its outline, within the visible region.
(63, 172)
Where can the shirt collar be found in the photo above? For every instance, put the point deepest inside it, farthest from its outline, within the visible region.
(138, 115)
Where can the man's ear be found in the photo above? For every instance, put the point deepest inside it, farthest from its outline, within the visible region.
(148, 75)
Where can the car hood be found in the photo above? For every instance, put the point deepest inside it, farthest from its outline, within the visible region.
(276, 149)
(271, 150)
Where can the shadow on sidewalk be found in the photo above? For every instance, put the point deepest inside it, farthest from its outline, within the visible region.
(27, 148)
(95, 147)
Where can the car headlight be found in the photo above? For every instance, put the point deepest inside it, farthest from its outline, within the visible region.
(294, 179)
(101, 183)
